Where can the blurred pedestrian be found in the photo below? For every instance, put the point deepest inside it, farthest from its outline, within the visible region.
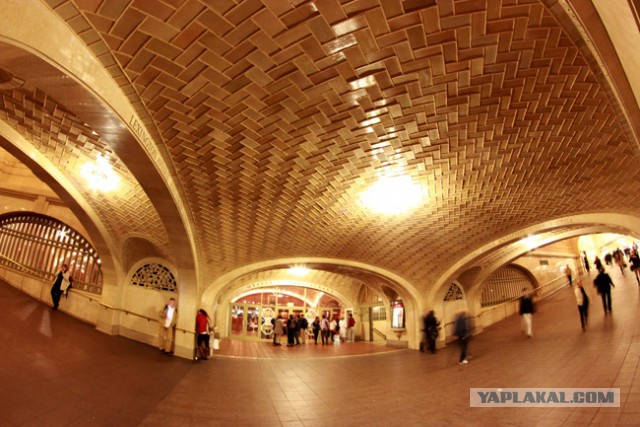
(583, 304)
(567, 272)
(431, 331)
(462, 330)
(526, 311)
(604, 284)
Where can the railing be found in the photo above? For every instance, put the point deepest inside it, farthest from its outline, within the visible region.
(46, 276)
(510, 306)
(545, 288)
(126, 312)
(376, 331)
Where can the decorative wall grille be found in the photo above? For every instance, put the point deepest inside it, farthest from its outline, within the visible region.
(378, 313)
(454, 293)
(38, 245)
(154, 276)
(505, 284)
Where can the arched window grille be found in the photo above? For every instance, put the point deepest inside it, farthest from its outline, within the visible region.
(154, 276)
(504, 285)
(38, 245)
(453, 293)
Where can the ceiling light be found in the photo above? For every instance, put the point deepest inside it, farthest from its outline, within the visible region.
(394, 194)
(100, 175)
(299, 271)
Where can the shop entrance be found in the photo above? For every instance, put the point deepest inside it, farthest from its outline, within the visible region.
(252, 314)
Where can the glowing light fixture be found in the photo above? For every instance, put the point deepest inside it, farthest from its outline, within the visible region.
(100, 175)
(394, 194)
(531, 242)
(299, 271)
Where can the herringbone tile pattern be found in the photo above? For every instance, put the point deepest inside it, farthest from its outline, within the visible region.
(276, 114)
(61, 137)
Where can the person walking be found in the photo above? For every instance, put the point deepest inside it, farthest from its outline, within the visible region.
(461, 329)
(634, 260)
(61, 285)
(168, 322)
(583, 304)
(585, 260)
(619, 257)
(203, 328)
(431, 327)
(526, 311)
(604, 284)
(567, 272)
(597, 263)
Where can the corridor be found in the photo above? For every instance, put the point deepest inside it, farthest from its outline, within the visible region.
(58, 371)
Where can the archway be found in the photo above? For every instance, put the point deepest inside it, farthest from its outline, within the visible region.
(251, 313)
(340, 278)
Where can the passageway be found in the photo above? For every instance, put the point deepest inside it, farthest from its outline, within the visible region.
(57, 370)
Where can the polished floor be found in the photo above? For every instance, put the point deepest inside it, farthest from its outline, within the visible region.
(57, 371)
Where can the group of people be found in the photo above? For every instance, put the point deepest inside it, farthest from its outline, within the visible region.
(462, 329)
(203, 328)
(296, 328)
(462, 323)
(620, 258)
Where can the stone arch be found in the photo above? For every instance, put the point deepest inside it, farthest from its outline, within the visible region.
(216, 293)
(135, 249)
(518, 274)
(445, 308)
(472, 269)
(113, 116)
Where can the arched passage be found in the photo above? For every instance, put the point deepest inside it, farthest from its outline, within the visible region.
(341, 278)
(473, 270)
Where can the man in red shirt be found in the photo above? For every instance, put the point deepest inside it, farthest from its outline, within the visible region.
(351, 323)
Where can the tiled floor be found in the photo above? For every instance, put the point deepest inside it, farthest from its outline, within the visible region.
(58, 371)
(265, 350)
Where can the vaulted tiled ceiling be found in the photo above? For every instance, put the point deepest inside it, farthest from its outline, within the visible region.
(277, 113)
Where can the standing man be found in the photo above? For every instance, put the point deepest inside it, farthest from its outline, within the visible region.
(303, 323)
(292, 331)
(168, 321)
(526, 311)
(278, 330)
(604, 284)
(325, 329)
(351, 323)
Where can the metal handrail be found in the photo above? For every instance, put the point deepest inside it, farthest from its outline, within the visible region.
(379, 333)
(37, 274)
(514, 299)
(518, 297)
